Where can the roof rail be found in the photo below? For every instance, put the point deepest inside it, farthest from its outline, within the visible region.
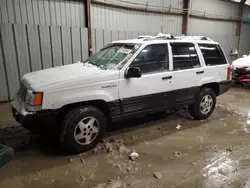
(145, 37)
(193, 38)
(161, 36)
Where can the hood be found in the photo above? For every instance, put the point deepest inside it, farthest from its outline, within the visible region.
(55, 75)
(241, 62)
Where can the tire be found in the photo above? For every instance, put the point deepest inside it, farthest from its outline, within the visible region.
(197, 111)
(82, 129)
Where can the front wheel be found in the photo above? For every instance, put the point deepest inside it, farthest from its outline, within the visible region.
(204, 104)
(82, 129)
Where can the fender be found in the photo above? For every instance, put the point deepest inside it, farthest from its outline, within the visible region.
(58, 100)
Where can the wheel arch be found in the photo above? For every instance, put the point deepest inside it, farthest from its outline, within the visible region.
(214, 86)
(101, 104)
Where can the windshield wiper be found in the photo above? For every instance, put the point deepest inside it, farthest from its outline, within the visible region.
(89, 62)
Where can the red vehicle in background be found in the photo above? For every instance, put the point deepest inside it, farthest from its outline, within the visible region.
(241, 70)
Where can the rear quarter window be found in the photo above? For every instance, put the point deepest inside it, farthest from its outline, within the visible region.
(213, 54)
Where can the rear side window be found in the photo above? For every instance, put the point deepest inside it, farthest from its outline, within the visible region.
(212, 54)
(184, 56)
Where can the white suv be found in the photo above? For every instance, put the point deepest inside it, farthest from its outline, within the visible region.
(124, 79)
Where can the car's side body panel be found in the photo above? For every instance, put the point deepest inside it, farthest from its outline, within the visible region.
(104, 87)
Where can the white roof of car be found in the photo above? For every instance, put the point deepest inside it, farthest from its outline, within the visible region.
(161, 38)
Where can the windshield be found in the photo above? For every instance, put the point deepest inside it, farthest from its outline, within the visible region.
(113, 56)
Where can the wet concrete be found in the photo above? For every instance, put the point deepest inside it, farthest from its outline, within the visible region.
(210, 153)
(6, 119)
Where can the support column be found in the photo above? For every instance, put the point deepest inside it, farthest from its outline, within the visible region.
(88, 16)
(186, 5)
(240, 15)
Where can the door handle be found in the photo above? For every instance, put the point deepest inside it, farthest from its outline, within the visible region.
(167, 78)
(200, 72)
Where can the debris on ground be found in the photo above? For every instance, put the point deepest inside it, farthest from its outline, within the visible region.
(123, 149)
(200, 138)
(98, 149)
(157, 175)
(229, 149)
(110, 181)
(178, 126)
(149, 165)
(133, 156)
(177, 154)
(112, 184)
(193, 163)
(82, 160)
(118, 158)
(135, 137)
(215, 149)
(74, 160)
(108, 147)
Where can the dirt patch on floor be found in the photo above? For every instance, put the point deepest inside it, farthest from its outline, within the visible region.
(173, 151)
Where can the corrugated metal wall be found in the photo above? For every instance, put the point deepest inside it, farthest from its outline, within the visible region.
(220, 31)
(245, 39)
(155, 3)
(215, 7)
(38, 34)
(43, 12)
(245, 32)
(109, 18)
(246, 14)
(101, 37)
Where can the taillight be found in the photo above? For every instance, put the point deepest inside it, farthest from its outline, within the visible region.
(229, 73)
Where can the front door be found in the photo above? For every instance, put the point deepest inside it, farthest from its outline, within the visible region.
(147, 93)
(187, 73)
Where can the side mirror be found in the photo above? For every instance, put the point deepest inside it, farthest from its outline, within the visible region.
(132, 72)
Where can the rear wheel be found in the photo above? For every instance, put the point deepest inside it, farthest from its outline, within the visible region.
(82, 129)
(204, 104)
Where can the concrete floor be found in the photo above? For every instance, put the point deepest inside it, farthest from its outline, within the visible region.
(210, 153)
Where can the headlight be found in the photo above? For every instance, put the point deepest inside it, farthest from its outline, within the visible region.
(34, 98)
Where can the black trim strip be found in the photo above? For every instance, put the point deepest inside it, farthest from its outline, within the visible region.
(145, 104)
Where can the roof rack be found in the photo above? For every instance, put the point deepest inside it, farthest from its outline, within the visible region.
(161, 36)
(145, 37)
(193, 38)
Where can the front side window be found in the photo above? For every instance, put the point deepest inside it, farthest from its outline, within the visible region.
(184, 56)
(212, 54)
(153, 58)
(113, 55)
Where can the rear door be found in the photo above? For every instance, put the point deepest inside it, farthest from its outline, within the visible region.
(216, 63)
(187, 73)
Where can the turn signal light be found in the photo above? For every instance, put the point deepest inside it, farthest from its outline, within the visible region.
(38, 98)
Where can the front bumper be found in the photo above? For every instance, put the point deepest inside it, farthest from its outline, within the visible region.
(38, 121)
(225, 86)
(241, 72)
